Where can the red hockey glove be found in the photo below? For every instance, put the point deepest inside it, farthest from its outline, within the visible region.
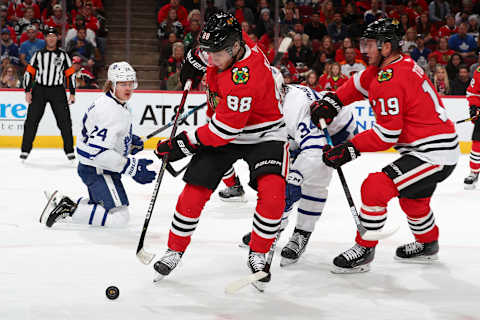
(339, 155)
(474, 113)
(326, 108)
(176, 148)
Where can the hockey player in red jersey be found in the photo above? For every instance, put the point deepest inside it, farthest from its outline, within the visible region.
(409, 117)
(245, 123)
(473, 97)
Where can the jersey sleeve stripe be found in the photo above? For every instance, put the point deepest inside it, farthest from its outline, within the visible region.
(226, 129)
(388, 138)
(471, 94)
(358, 85)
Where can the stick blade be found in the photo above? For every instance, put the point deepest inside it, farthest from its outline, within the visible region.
(145, 257)
(236, 285)
(379, 235)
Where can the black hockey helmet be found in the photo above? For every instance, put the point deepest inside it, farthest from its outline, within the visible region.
(384, 30)
(221, 31)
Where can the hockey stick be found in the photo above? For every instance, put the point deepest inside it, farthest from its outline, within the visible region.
(282, 48)
(174, 172)
(168, 125)
(144, 256)
(364, 233)
(464, 120)
(238, 284)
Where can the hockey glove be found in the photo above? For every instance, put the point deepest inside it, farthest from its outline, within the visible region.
(326, 108)
(137, 144)
(176, 148)
(137, 168)
(339, 155)
(193, 68)
(474, 112)
(293, 190)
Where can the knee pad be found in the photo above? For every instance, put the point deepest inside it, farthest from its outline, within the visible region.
(192, 200)
(271, 196)
(415, 208)
(377, 189)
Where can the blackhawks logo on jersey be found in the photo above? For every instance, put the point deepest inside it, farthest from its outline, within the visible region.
(240, 75)
(385, 75)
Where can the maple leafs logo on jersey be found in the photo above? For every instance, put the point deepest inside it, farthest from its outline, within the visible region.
(240, 75)
(385, 75)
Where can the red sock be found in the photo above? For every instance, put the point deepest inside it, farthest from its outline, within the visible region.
(420, 219)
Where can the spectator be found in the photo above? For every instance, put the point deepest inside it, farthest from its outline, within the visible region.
(327, 47)
(350, 14)
(409, 41)
(473, 26)
(374, 13)
(351, 65)
(80, 23)
(10, 77)
(58, 20)
(76, 8)
(300, 54)
(190, 40)
(438, 10)
(245, 27)
(264, 23)
(334, 79)
(443, 54)
(47, 11)
(84, 79)
(182, 13)
(474, 66)
(81, 47)
(288, 22)
(461, 82)
(37, 25)
(431, 67)
(286, 64)
(193, 15)
(337, 30)
(91, 22)
(290, 5)
(32, 45)
(320, 62)
(22, 23)
(4, 24)
(314, 28)
(21, 7)
(242, 13)
(8, 48)
(312, 81)
(174, 63)
(328, 11)
(420, 53)
(463, 43)
(173, 81)
(452, 66)
(448, 29)
(427, 29)
(340, 53)
(170, 25)
(440, 80)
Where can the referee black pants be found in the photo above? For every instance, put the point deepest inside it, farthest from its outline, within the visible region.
(58, 101)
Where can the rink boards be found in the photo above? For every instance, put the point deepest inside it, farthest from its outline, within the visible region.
(153, 109)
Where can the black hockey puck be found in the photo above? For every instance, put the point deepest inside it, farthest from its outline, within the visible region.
(112, 292)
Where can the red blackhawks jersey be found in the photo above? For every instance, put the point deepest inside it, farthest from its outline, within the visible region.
(243, 106)
(409, 113)
(473, 90)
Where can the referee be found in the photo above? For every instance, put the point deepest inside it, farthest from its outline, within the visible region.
(48, 73)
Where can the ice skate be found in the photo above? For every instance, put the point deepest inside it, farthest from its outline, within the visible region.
(234, 193)
(470, 181)
(61, 209)
(295, 247)
(166, 264)
(355, 260)
(23, 156)
(245, 241)
(417, 252)
(256, 262)
(52, 202)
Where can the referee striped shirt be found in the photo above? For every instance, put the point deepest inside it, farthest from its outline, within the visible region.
(50, 68)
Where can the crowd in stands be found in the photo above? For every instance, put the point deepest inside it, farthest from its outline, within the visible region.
(81, 27)
(442, 36)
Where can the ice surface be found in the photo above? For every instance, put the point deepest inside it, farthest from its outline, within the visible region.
(62, 273)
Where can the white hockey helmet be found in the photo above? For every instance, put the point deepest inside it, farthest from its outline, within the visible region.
(122, 71)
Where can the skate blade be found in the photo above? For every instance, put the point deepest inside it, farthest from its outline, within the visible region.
(359, 269)
(469, 186)
(418, 260)
(48, 207)
(259, 285)
(243, 245)
(158, 277)
(286, 261)
(235, 199)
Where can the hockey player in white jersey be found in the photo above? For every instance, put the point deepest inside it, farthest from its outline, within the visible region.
(103, 150)
(308, 177)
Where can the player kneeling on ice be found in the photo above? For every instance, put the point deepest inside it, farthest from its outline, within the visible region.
(246, 123)
(309, 177)
(409, 117)
(103, 151)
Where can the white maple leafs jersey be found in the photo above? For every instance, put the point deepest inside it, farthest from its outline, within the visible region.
(106, 134)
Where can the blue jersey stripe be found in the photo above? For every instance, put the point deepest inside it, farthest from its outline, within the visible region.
(304, 196)
(309, 213)
(92, 214)
(104, 218)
